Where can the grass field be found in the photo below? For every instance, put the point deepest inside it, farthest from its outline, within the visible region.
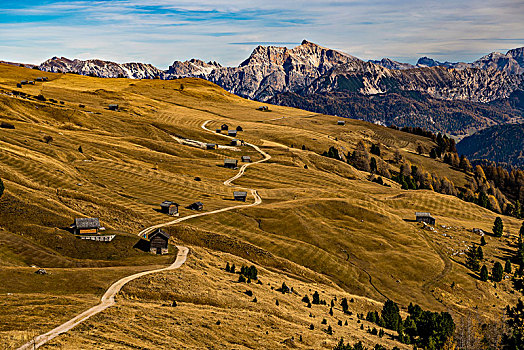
(321, 225)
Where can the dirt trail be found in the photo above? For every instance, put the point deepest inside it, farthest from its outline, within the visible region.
(108, 299)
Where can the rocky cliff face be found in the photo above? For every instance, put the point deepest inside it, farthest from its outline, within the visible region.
(310, 68)
(102, 69)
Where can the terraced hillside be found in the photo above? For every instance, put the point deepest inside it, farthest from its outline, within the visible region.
(322, 224)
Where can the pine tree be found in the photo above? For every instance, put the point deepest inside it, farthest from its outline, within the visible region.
(391, 315)
(484, 273)
(241, 279)
(472, 260)
(507, 266)
(331, 311)
(233, 268)
(345, 306)
(316, 298)
(480, 253)
(482, 241)
(228, 268)
(497, 272)
(498, 227)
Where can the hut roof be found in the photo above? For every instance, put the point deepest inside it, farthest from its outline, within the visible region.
(230, 161)
(160, 232)
(240, 194)
(85, 223)
(423, 214)
(168, 203)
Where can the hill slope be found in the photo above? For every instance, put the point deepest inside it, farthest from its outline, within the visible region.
(322, 225)
(501, 144)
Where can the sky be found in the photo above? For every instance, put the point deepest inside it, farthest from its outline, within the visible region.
(226, 31)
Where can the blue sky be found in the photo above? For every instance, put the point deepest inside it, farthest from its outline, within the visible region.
(161, 31)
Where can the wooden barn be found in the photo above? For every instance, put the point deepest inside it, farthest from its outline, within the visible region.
(240, 195)
(86, 226)
(425, 217)
(211, 146)
(232, 133)
(169, 207)
(230, 163)
(246, 159)
(341, 122)
(196, 206)
(158, 241)
(224, 127)
(113, 107)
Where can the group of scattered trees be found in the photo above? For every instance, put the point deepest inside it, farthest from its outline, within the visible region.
(246, 273)
(426, 329)
(357, 346)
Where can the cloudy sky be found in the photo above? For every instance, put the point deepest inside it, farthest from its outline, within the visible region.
(161, 31)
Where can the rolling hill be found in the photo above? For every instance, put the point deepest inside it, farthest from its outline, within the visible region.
(322, 225)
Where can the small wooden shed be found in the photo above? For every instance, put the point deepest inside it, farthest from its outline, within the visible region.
(86, 226)
(169, 207)
(240, 195)
(246, 159)
(113, 107)
(236, 142)
(232, 133)
(158, 241)
(230, 163)
(341, 122)
(211, 146)
(196, 206)
(425, 217)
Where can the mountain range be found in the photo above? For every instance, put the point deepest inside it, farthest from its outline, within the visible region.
(455, 98)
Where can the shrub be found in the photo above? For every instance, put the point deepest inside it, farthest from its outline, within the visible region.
(48, 139)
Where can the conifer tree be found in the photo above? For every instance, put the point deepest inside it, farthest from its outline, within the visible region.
(497, 272)
(316, 298)
(228, 268)
(484, 273)
(480, 253)
(498, 227)
(507, 266)
(472, 260)
(345, 306)
(482, 241)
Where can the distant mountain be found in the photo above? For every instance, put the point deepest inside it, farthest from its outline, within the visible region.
(500, 143)
(102, 69)
(27, 65)
(309, 73)
(390, 64)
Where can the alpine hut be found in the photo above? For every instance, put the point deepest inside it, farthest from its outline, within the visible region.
(169, 207)
(341, 122)
(211, 146)
(113, 107)
(85, 226)
(196, 206)
(246, 159)
(232, 133)
(425, 217)
(158, 241)
(240, 196)
(230, 163)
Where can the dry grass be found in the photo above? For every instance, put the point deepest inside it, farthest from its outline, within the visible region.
(325, 224)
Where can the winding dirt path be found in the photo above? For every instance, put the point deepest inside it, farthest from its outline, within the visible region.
(108, 299)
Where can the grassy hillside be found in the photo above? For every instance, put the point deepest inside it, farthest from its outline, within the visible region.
(322, 224)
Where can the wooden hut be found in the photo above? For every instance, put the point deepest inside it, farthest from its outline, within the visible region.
(425, 217)
(23, 82)
(196, 206)
(341, 122)
(31, 82)
(113, 107)
(236, 142)
(158, 241)
(230, 163)
(224, 127)
(246, 159)
(86, 226)
(240, 195)
(169, 207)
(39, 79)
(232, 133)
(211, 146)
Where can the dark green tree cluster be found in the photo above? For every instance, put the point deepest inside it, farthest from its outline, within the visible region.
(498, 227)
(375, 149)
(332, 153)
(514, 338)
(250, 272)
(230, 268)
(473, 257)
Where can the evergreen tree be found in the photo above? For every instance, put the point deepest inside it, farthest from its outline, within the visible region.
(484, 273)
(305, 299)
(329, 330)
(241, 279)
(497, 272)
(316, 298)
(498, 227)
(373, 165)
(480, 253)
(433, 153)
(514, 339)
(472, 260)
(233, 268)
(507, 266)
(391, 315)
(482, 241)
(331, 311)
(228, 268)
(345, 306)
